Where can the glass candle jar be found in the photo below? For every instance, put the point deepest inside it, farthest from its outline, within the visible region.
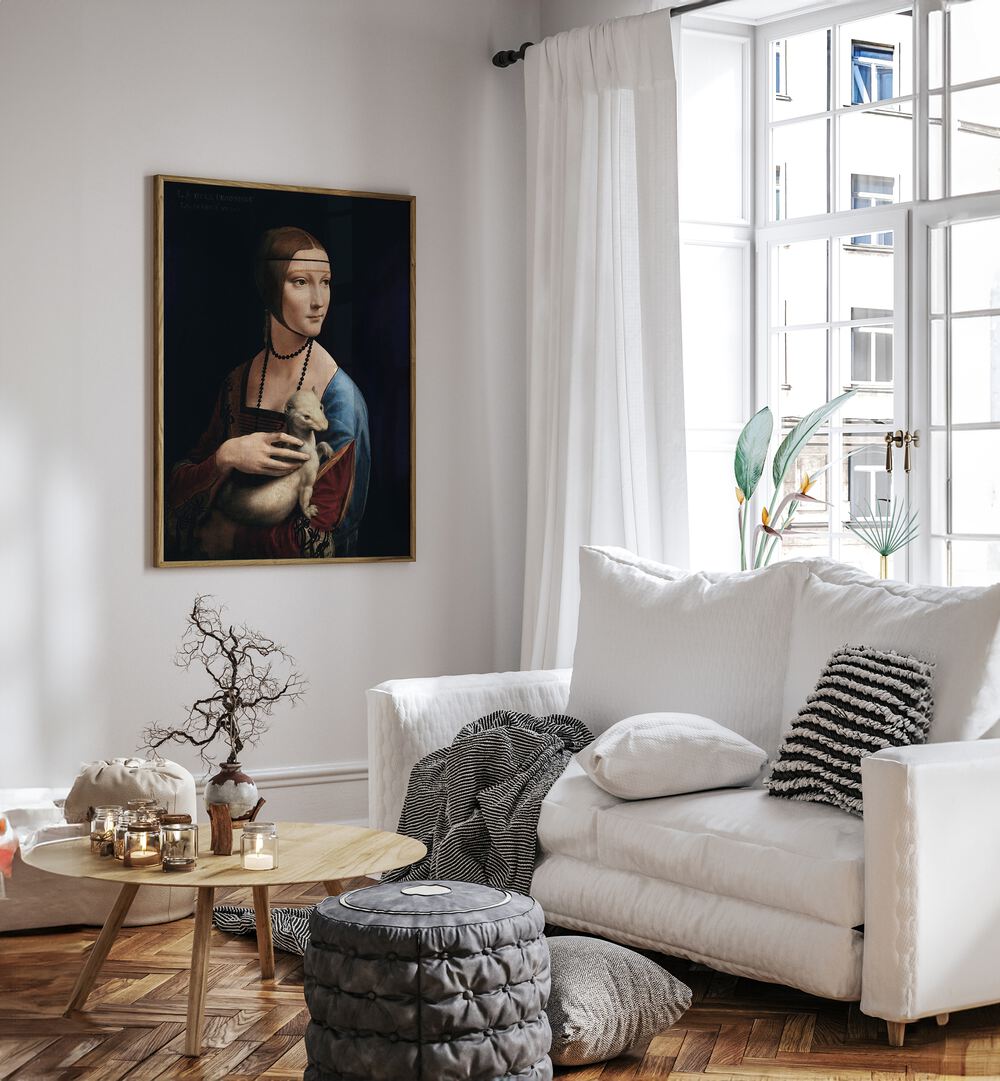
(102, 831)
(179, 846)
(259, 846)
(142, 843)
(122, 823)
(136, 805)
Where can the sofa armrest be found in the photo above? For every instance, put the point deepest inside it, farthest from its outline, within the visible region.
(409, 718)
(932, 895)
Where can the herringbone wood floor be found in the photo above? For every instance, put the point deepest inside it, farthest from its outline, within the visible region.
(737, 1030)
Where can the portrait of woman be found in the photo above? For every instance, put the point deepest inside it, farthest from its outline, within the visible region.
(296, 453)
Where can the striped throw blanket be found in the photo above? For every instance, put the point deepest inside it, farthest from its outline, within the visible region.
(475, 804)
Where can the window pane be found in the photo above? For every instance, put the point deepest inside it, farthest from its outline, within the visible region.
(799, 169)
(876, 158)
(711, 157)
(935, 42)
(864, 358)
(863, 276)
(935, 149)
(975, 372)
(868, 484)
(974, 563)
(809, 534)
(876, 58)
(975, 482)
(975, 281)
(939, 374)
(975, 31)
(937, 270)
(714, 289)
(801, 365)
(800, 283)
(975, 140)
(800, 75)
(939, 482)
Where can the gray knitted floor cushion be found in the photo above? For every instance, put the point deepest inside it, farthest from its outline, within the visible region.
(427, 981)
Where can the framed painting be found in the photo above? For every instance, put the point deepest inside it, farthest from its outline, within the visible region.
(284, 374)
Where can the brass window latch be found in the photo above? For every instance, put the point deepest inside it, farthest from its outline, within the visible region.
(900, 438)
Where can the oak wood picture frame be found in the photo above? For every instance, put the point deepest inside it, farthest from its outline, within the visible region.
(210, 228)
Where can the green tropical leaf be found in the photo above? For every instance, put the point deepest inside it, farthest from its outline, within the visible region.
(751, 451)
(794, 443)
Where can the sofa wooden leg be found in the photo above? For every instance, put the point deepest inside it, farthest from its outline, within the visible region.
(943, 1018)
(897, 1033)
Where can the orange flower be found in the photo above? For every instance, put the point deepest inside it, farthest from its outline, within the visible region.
(806, 483)
(740, 497)
(765, 517)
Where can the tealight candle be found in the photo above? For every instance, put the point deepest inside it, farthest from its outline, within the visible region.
(142, 844)
(259, 846)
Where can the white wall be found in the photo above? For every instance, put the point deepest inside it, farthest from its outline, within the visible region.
(387, 95)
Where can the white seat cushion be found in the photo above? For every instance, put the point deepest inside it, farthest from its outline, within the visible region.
(957, 629)
(800, 857)
(715, 646)
(568, 819)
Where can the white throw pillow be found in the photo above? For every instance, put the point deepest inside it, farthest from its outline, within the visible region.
(957, 629)
(667, 754)
(718, 648)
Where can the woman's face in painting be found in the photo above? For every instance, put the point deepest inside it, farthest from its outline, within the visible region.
(305, 295)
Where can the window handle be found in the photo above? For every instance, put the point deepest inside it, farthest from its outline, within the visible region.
(899, 438)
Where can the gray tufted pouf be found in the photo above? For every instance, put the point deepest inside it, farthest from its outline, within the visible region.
(427, 981)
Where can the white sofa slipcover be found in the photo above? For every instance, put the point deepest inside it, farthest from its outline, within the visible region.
(894, 910)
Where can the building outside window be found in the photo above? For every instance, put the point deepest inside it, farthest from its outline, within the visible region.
(873, 73)
(868, 191)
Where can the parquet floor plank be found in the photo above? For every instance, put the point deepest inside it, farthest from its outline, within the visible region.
(15, 1052)
(133, 1027)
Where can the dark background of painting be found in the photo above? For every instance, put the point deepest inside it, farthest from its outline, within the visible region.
(213, 320)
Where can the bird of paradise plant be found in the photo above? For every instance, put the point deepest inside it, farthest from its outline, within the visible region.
(748, 466)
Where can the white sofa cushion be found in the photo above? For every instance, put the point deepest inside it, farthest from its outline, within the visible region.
(800, 857)
(728, 934)
(648, 642)
(957, 629)
(567, 822)
(666, 754)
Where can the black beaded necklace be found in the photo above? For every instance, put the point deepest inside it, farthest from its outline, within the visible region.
(307, 345)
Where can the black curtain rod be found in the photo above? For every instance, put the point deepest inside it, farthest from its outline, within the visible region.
(506, 57)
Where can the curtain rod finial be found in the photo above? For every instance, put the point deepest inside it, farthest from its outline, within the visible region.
(506, 57)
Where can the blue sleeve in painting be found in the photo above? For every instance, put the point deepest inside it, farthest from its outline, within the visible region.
(347, 416)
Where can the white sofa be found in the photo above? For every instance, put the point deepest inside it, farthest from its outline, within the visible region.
(900, 910)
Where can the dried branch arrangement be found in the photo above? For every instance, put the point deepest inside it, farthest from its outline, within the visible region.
(251, 672)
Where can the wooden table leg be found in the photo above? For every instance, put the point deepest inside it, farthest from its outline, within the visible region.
(199, 971)
(265, 939)
(102, 947)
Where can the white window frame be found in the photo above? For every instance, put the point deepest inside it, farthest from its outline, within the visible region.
(911, 223)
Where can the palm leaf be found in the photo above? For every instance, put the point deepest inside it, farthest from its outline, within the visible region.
(793, 443)
(751, 451)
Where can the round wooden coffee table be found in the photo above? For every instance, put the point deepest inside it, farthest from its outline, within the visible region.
(306, 853)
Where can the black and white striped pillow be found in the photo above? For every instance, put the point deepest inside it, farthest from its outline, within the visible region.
(866, 699)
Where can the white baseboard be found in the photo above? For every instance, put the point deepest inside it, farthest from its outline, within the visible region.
(332, 792)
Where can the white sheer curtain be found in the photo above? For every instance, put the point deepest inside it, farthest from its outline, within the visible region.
(606, 448)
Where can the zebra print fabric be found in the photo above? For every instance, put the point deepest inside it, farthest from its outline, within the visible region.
(866, 699)
(289, 926)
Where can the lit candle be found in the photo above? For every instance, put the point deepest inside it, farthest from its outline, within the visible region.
(143, 856)
(258, 860)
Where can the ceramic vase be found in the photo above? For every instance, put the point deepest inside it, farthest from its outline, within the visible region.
(233, 788)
